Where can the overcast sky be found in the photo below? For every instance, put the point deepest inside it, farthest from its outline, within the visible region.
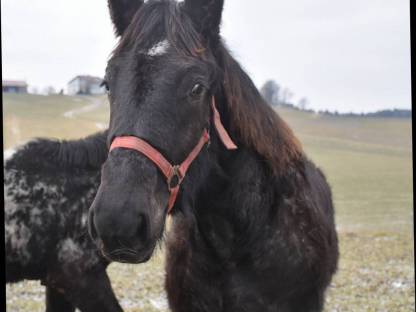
(345, 55)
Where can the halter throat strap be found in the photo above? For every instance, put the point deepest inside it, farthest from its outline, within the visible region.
(174, 174)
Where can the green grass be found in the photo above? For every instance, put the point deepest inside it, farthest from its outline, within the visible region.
(368, 162)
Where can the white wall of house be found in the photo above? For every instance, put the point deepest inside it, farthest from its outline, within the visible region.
(96, 89)
(73, 87)
(81, 85)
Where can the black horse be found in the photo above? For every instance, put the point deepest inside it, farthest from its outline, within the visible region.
(48, 188)
(253, 227)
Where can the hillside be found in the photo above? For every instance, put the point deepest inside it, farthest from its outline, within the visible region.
(26, 116)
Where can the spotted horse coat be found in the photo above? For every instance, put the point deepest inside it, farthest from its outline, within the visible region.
(48, 188)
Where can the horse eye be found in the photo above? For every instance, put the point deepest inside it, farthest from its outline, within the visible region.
(197, 89)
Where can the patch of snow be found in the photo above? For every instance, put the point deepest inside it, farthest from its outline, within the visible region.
(127, 303)
(8, 153)
(100, 125)
(398, 284)
(160, 303)
(69, 114)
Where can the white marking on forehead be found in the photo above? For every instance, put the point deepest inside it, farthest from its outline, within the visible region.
(159, 48)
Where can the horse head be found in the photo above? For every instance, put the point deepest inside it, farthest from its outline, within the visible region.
(162, 81)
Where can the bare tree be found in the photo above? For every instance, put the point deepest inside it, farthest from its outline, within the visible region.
(303, 103)
(287, 96)
(49, 90)
(34, 90)
(270, 92)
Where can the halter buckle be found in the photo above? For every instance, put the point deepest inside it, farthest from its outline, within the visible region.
(176, 178)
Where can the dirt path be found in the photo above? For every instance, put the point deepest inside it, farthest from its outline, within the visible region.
(95, 103)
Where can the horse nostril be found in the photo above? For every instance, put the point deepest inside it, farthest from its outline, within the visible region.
(133, 236)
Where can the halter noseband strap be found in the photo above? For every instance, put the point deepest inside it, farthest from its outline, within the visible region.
(174, 174)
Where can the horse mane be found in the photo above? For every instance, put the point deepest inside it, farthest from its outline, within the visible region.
(88, 153)
(251, 120)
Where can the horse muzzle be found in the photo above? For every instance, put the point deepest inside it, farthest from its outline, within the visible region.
(127, 216)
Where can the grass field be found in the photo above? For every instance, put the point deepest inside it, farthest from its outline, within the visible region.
(368, 163)
(29, 116)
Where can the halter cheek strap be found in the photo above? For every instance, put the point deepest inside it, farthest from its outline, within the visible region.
(174, 174)
(222, 133)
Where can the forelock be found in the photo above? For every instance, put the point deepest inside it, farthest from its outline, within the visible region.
(157, 26)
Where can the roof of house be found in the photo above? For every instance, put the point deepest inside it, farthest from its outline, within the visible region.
(13, 83)
(88, 78)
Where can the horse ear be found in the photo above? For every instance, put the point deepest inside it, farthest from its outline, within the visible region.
(122, 12)
(206, 15)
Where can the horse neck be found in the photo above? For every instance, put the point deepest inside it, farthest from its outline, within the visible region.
(233, 201)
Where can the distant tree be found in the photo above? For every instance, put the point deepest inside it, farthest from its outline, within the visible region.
(270, 92)
(286, 96)
(303, 103)
(34, 90)
(49, 90)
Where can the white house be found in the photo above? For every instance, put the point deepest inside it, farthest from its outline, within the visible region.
(85, 85)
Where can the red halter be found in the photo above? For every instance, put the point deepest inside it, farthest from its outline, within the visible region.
(174, 173)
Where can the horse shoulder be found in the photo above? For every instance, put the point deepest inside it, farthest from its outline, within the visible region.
(306, 220)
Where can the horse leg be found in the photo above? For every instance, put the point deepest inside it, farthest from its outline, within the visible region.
(95, 293)
(87, 288)
(309, 302)
(56, 302)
